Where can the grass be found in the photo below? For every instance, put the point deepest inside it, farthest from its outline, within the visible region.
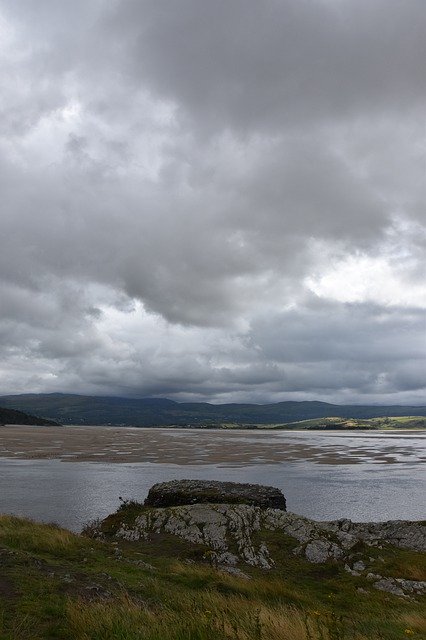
(209, 617)
(337, 423)
(55, 584)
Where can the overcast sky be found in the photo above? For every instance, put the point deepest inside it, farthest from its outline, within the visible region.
(213, 200)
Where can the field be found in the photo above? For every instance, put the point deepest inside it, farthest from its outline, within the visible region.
(395, 422)
(336, 423)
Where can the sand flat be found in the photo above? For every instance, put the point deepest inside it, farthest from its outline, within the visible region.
(184, 446)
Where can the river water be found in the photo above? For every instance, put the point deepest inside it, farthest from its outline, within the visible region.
(363, 476)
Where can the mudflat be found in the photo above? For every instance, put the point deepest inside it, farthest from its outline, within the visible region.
(183, 446)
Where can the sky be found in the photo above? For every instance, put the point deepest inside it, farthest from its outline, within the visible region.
(213, 201)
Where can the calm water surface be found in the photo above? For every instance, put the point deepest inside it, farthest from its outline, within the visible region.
(363, 476)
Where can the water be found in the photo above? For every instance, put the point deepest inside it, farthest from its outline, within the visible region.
(369, 476)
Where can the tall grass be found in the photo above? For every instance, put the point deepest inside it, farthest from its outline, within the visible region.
(22, 533)
(209, 618)
(206, 615)
(17, 629)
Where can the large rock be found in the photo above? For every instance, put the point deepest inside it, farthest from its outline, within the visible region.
(183, 492)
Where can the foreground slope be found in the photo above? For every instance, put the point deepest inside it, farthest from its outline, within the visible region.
(55, 584)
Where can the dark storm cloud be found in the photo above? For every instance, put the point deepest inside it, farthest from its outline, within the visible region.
(263, 64)
(213, 200)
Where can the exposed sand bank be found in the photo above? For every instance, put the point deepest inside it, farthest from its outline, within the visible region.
(183, 446)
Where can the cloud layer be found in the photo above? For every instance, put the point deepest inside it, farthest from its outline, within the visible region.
(219, 201)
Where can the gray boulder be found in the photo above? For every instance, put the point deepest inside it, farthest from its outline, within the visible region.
(185, 492)
(401, 587)
(321, 550)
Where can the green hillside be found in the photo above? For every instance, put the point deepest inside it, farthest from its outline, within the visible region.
(330, 423)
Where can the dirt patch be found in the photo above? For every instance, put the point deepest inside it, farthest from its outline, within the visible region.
(80, 586)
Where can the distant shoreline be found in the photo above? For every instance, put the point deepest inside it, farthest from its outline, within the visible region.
(226, 429)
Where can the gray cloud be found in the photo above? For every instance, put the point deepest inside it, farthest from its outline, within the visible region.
(189, 194)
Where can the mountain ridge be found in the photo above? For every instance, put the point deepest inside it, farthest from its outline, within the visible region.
(97, 410)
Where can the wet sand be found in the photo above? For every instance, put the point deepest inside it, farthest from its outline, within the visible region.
(189, 447)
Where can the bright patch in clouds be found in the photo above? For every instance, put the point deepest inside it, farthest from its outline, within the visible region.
(367, 279)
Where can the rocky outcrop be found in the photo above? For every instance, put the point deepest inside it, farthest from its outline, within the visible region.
(398, 533)
(182, 492)
(239, 533)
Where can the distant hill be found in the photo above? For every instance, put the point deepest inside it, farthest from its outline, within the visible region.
(342, 424)
(76, 409)
(11, 416)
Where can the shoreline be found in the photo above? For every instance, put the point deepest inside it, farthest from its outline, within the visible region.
(254, 429)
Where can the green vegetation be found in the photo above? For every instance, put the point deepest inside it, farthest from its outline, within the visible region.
(335, 423)
(154, 415)
(151, 412)
(11, 416)
(328, 424)
(54, 584)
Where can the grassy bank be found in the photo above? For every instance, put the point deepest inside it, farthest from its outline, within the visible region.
(54, 584)
(340, 424)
